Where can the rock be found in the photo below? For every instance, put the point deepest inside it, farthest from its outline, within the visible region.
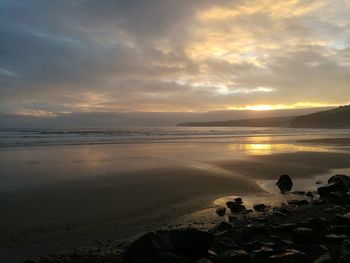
(290, 256)
(335, 209)
(204, 260)
(326, 258)
(345, 251)
(224, 244)
(309, 194)
(191, 242)
(298, 202)
(262, 254)
(317, 223)
(233, 256)
(188, 243)
(337, 197)
(169, 257)
(339, 229)
(340, 178)
(298, 193)
(235, 207)
(344, 219)
(335, 238)
(238, 200)
(147, 248)
(337, 183)
(317, 202)
(303, 235)
(260, 207)
(285, 183)
(223, 226)
(282, 228)
(221, 211)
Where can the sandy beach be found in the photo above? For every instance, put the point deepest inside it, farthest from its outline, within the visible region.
(123, 193)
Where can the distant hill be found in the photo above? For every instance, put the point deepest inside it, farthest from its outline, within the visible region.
(333, 119)
(261, 122)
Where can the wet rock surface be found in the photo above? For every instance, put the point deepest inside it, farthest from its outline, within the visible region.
(285, 183)
(313, 229)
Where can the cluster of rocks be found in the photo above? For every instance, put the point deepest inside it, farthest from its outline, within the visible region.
(312, 228)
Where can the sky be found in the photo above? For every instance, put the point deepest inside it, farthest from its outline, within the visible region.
(92, 56)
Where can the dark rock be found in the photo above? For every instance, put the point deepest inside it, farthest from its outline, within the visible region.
(204, 260)
(340, 229)
(224, 226)
(147, 248)
(337, 197)
(260, 207)
(345, 251)
(335, 210)
(344, 219)
(337, 183)
(235, 207)
(188, 243)
(284, 227)
(233, 256)
(303, 235)
(238, 200)
(262, 254)
(169, 257)
(298, 202)
(298, 193)
(285, 183)
(290, 256)
(335, 238)
(309, 194)
(221, 211)
(326, 258)
(340, 178)
(317, 202)
(317, 223)
(191, 242)
(224, 244)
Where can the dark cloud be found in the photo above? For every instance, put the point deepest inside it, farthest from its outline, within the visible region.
(200, 55)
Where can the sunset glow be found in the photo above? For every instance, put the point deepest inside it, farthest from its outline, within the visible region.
(173, 56)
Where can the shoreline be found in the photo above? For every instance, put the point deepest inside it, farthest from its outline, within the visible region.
(308, 227)
(75, 225)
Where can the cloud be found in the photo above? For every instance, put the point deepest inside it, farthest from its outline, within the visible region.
(164, 55)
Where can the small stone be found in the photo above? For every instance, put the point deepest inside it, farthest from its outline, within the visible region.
(238, 200)
(326, 258)
(235, 207)
(303, 235)
(298, 202)
(260, 207)
(239, 256)
(309, 194)
(284, 183)
(298, 193)
(224, 226)
(345, 251)
(335, 238)
(262, 254)
(290, 256)
(221, 211)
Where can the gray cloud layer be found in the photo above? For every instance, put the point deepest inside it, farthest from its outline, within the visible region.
(166, 55)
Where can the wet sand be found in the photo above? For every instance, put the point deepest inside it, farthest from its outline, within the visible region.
(60, 216)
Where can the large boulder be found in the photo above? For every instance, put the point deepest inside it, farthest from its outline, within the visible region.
(285, 183)
(340, 178)
(147, 248)
(184, 244)
(337, 183)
